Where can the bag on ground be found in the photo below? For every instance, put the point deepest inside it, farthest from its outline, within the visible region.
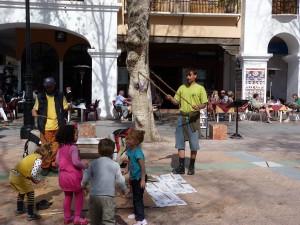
(32, 143)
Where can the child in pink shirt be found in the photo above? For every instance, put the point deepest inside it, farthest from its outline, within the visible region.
(70, 173)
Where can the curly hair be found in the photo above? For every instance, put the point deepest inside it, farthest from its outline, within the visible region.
(45, 150)
(137, 135)
(106, 147)
(66, 135)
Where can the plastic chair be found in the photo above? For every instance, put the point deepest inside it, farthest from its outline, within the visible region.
(11, 109)
(243, 111)
(92, 108)
(117, 111)
(156, 110)
(255, 111)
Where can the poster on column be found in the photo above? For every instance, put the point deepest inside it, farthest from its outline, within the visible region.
(255, 83)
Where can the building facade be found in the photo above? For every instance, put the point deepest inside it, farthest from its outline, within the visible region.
(203, 34)
(233, 44)
(269, 51)
(67, 37)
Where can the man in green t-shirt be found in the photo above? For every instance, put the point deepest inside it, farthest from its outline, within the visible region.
(295, 106)
(190, 97)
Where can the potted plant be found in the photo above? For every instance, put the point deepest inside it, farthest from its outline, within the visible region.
(229, 6)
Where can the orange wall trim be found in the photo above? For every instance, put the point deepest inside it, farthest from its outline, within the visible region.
(46, 36)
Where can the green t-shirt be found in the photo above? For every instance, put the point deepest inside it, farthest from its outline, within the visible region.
(297, 101)
(194, 94)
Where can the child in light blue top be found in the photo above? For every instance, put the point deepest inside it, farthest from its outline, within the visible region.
(136, 166)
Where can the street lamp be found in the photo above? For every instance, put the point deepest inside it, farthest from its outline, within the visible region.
(28, 103)
(272, 72)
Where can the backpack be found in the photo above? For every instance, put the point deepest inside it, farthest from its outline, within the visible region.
(120, 135)
(32, 143)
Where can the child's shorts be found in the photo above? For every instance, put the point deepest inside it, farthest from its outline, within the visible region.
(20, 183)
(193, 136)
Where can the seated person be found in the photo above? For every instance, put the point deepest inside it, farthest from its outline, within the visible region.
(215, 97)
(2, 107)
(255, 103)
(294, 105)
(230, 96)
(122, 102)
(69, 95)
(157, 100)
(223, 98)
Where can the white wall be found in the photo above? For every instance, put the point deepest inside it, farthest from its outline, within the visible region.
(259, 26)
(93, 20)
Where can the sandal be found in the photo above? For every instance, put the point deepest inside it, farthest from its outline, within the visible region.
(68, 220)
(80, 221)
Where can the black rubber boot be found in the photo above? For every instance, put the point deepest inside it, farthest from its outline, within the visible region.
(180, 169)
(191, 171)
(20, 208)
(31, 215)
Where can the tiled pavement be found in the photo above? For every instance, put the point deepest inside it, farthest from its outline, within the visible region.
(254, 180)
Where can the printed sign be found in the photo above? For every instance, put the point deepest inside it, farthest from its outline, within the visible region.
(255, 83)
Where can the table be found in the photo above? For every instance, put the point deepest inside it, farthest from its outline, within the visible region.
(81, 106)
(278, 108)
(222, 108)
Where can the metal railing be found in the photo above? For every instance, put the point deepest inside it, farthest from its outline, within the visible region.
(285, 7)
(195, 6)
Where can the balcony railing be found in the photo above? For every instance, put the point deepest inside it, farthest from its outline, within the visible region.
(285, 7)
(195, 6)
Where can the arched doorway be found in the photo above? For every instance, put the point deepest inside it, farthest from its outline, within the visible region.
(44, 63)
(78, 56)
(285, 48)
(279, 49)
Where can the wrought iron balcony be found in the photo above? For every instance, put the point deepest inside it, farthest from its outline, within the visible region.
(196, 6)
(285, 7)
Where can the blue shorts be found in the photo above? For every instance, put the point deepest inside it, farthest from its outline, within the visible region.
(193, 136)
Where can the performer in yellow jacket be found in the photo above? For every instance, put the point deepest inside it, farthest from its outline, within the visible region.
(22, 176)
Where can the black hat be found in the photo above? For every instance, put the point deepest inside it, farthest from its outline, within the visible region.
(49, 81)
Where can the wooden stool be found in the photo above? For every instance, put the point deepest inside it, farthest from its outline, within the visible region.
(218, 131)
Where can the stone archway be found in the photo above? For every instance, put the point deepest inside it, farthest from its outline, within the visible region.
(285, 50)
(44, 63)
(78, 55)
(278, 48)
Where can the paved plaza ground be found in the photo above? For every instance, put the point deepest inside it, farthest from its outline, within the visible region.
(254, 180)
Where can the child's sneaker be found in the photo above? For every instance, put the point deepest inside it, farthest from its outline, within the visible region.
(131, 216)
(80, 221)
(68, 220)
(33, 217)
(143, 222)
(20, 212)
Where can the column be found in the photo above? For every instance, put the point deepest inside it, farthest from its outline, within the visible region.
(293, 76)
(104, 79)
(254, 75)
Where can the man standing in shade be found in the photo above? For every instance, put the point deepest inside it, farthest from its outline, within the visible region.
(49, 109)
(190, 97)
